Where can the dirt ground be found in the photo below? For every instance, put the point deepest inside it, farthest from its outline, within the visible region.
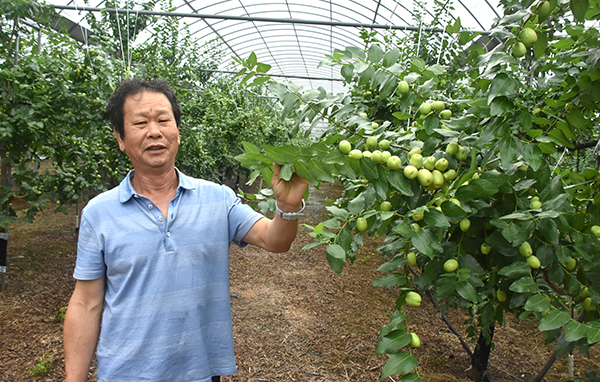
(294, 319)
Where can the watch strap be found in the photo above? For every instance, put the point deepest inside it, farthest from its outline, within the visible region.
(291, 215)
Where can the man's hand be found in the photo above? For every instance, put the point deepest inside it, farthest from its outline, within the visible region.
(289, 194)
(278, 234)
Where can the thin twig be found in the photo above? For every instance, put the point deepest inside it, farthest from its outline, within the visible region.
(434, 301)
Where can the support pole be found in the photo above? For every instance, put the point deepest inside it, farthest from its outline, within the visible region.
(5, 183)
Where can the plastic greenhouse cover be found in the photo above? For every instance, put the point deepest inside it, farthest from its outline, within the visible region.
(293, 36)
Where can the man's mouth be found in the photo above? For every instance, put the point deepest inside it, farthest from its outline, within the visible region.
(155, 148)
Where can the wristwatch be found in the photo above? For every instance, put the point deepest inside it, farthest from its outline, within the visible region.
(291, 215)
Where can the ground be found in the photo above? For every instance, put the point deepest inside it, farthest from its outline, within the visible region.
(294, 318)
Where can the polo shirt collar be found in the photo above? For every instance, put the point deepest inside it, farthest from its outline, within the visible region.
(126, 190)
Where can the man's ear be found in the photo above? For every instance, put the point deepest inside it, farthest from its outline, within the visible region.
(120, 140)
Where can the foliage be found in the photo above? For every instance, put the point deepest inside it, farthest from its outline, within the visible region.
(59, 315)
(230, 116)
(44, 366)
(54, 133)
(510, 121)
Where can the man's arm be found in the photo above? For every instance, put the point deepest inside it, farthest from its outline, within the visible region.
(278, 234)
(82, 327)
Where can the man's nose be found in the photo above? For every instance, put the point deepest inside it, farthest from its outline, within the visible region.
(154, 130)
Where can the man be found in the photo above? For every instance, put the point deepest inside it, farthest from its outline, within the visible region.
(152, 259)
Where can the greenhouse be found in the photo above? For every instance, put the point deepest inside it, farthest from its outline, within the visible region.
(413, 189)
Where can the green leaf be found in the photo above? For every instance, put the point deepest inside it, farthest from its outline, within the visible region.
(336, 256)
(287, 170)
(431, 123)
(576, 119)
(259, 80)
(476, 189)
(455, 28)
(401, 362)
(510, 148)
(533, 155)
(347, 72)
(332, 223)
(391, 57)
(338, 213)
(267, 174)
(467, 291)
(593, 332)
(501, 105)
(515, 269)
(388, 87)
(516, 215)
(262, 68)
(399, 182)
(445, 286)
(251, 148)
(524, 285)
(369, 169)
(539, 47)
(435, 218)
(290, 103)
(393, 264)
(579, 8)
(391, 280)
(575, 330)
(556, 202)
(302, 171)
(251, 60)
(537, 303)
(503, 85)
(563, 347)
(549, 230)
(411, 377)
(560, 139)
(322, 171)
(375, 53)
(427, 243)
(554, 319)
(335, 157)
(393, 341)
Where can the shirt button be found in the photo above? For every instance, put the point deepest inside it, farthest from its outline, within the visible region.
(150, 206)
(161, 218)
(168, 234)
(135, 196)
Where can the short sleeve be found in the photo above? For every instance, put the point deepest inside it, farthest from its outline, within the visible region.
(90, 254)
(241, 218)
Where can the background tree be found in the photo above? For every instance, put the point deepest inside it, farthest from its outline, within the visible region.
(54, 133)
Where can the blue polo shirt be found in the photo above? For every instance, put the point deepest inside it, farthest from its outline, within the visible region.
(167, 314)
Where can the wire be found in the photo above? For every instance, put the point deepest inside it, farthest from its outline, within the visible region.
(560, 159)
(121, 41)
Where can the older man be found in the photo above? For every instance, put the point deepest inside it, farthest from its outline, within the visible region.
(152, 291)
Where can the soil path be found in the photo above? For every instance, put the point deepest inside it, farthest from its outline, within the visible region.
(294, 319)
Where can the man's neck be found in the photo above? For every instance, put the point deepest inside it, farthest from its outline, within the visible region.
(157, 185)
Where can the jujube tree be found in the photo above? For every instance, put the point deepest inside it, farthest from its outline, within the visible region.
(482, 211)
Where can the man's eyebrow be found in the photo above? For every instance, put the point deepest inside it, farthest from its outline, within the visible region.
(145, 113)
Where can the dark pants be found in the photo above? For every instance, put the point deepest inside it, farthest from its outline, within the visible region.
(216, 379)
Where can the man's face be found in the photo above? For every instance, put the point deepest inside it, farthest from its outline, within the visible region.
(151, 133)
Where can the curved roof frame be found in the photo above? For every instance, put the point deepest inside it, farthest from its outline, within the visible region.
(290, 35)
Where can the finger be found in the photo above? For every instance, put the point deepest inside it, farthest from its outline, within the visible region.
(276, 169)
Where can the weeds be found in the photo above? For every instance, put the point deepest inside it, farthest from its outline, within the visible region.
(44, 367)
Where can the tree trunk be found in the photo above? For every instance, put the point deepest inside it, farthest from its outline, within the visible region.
(481, 355)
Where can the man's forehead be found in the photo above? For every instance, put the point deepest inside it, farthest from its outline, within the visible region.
(159, 103)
